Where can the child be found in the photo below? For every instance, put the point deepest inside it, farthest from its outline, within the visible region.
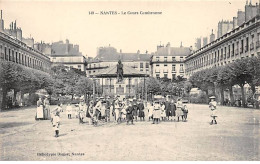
(213, 107)
(58, 109)
(156, 112)
(56, 123)
(185, 112)
(179, 112)
(69, 111)
(163, 112)
(150, 111)
(77, 109)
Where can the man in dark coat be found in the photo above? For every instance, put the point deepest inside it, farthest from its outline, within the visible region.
(129, 113)
(172, 109)
(168, 109)
(141, 110)
(135, 109)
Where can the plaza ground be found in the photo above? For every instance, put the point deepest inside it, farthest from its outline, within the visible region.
(235, 137)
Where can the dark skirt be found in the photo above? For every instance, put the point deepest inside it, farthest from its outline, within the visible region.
(173, 113)
(141, 113)
(168, 113)
(129, 117)
(87, 114)
(135, 113)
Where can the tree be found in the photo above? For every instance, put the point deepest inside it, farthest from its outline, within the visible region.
(253, 69)
(152, 86)
(20, 78)
(241, 75)
(201, 80)
(84, 86)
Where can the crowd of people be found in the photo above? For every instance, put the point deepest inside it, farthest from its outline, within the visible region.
(119, 111)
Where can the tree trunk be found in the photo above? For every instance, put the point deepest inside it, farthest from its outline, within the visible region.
(221, 95)
(207, 96)
(214, 90)
(256, 103)
(3, 101)
(231, 95)
(243, 96)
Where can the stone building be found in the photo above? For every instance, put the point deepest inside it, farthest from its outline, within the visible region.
(241, 42)
(168, 62)
(12, 48)
(224, 27)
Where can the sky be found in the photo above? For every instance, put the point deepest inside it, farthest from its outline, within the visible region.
(180, 21)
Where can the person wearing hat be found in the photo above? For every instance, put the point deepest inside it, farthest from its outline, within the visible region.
(69, 110)
(117, 111)
(135, 108)
(156, 112)
(213, 108)
(56, 123)
(141, 114)
(150, 110)
(82, 109)
(129, 112)
(39, 110)
(89, 112)
(179, 111)
(46, 104)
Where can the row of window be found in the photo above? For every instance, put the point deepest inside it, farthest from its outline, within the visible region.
(24, 59)
(231, 50)
(172, 59)
(165, 76)
(135, 65)
(173, 66)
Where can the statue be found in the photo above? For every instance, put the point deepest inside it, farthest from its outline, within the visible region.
(119, 71)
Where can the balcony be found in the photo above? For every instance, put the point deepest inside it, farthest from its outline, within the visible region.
(252, 46)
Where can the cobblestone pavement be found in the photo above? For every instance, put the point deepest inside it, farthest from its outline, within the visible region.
(235, 137)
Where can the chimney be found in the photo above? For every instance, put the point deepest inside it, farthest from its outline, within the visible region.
(1, 14)
(15, 25)
(138, 51)
(168, 46)
(12, 25)
(181, 45)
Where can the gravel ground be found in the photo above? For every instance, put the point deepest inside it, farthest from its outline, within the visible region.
(235, 137)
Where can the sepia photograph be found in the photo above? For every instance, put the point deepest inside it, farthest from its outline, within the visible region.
(140, 80)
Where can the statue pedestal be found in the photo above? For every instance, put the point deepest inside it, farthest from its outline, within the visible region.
(120, 82)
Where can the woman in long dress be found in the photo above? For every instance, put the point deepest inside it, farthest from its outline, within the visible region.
(179, 111)
(39, 110)
(46, 103)
(89, 113)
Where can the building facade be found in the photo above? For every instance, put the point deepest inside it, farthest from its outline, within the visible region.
(241, 42)
(168, 62)
(13, 48)
(108, 57)
(71, 61)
